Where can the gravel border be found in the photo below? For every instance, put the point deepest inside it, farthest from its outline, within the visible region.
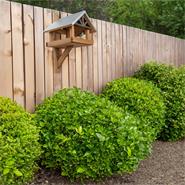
(165, 166)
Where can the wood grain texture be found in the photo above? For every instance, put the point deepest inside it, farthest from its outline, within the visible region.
(90, 68)
(48, 19)
(108, 51)
(113, 52)
(39, 54)
(79, 67)
(104, 52)
(72, 68)
(57, 72)
(95, 58)
(65, 65)
(17, 45)
(62, 57)
(28, 69)
(84, 68)
(99, 55)
(5, 50)
(29, 58)
(124, 48)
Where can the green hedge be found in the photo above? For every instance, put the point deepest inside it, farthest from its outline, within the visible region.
(155, 73)
(19, 146)
(87, 136)
(171, 81)
(140, 98)
(8, 106)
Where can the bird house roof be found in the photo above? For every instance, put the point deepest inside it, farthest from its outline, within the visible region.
(80, 19)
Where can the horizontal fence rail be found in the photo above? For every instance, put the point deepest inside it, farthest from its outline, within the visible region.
(28, 69)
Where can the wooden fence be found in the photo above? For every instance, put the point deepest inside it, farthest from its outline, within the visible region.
(28, 71)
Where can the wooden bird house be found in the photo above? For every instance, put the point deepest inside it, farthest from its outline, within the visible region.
(71, 31)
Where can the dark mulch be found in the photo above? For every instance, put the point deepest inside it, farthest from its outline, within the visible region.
(165, 166)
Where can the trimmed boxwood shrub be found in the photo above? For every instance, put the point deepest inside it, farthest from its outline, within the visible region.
(8, 106)
(142, 99)
(87, 136)
(155, 73)
(171, 81)
(19, 146)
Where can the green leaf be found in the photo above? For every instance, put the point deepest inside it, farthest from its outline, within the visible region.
(6, 171)
(10, 162)
(64, 173)
(17, 173)
(100, 137)
(129, 152)
(79, 130)
(80, 170)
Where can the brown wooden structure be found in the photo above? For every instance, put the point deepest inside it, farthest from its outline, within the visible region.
(28, 69)
(73, 31)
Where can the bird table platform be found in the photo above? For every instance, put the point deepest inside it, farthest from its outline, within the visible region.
(75, 30)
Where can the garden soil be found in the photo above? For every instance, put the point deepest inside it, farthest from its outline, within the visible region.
(165, 166)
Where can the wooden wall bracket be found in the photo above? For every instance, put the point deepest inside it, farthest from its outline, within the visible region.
(62, 57)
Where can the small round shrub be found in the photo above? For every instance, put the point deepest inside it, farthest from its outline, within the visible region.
(88, 137)
(8, 106)
(19, 146)
(142, 99)
(171, 81)
(155, 73)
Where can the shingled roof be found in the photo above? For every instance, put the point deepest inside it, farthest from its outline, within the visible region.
(70, 20)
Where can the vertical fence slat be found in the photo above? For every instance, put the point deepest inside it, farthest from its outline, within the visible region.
(120, 59)
(90, 68)
(117, 49)
(65, 66)
(5, 50)
(135, 47)
(17, 44)
(183, 51)
(95, 58)
(29, 57)
(128, 53)
(169, 56)
(104, 52)
(164, 49)
(160, 48)
(113, 51)
(154, 51)
(178, 52)
(100, 61)
(124, 49)
(57, 76)
(72, 68)
(48, 55)
(172, 50)
(84, 68)
(79, 67)
(149, 48)
(141, 48)
(39, 54)
(108, 52)
(157, 47)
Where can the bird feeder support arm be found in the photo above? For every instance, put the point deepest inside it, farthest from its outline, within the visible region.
(63, 56)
